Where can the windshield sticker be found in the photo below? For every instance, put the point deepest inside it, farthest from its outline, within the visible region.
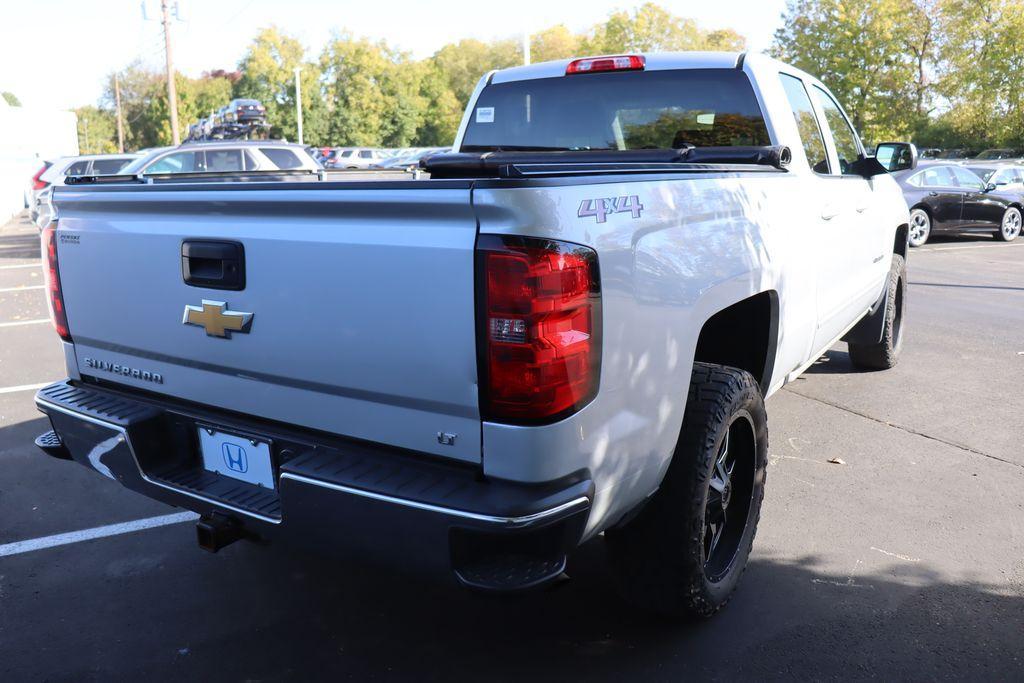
(600, 208)
(485, 114)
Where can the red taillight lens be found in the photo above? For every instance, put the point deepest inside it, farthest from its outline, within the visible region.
(540, 327)
(55, 297)
(613, 63)
(37, 182)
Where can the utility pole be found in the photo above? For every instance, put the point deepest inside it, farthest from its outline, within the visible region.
(298, 102)
(172, 91)
(120, 118)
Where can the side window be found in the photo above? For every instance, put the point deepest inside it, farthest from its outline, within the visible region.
(282, 158)
(179, 162)
(842, 133)
(108, 166)
(224, 160)
(77, 168)
(938, 177)
(365, 154)
(966, 179)
(806, 123)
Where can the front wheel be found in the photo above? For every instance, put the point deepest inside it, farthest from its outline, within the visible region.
(884, 354)
(920, 227)
(1010, 228)
(683, 554)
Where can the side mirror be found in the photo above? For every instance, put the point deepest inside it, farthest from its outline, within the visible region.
(990, 187)
(896, 156)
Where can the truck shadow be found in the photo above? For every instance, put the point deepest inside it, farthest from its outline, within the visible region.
(788, 619)
(833, 362)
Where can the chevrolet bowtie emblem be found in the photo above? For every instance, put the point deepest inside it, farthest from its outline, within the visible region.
(214, 317)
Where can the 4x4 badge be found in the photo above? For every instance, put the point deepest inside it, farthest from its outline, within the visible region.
(216, 319)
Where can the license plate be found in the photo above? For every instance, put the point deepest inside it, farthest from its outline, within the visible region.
(238, 457)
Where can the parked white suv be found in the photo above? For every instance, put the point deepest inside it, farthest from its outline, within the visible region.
(55, 173)
(355, 158)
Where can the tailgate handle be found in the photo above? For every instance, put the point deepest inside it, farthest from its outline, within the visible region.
(213, 264)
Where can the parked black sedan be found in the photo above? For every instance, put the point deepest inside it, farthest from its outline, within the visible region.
(944, 198)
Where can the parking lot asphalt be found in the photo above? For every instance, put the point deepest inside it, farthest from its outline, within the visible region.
(905, 561)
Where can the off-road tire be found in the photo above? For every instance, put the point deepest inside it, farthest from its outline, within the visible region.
(659, 555)
(886, 353)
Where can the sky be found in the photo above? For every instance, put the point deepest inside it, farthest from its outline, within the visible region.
(57, 53)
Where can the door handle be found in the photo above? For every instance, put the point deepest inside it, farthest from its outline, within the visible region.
(213, 264)
(829, 212)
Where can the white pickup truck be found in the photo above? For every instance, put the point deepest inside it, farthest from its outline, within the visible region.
(565, 328)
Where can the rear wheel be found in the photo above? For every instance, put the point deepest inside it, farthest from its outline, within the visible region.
(684, 553)
(1010, 228)
(884, 354)
(920, 227)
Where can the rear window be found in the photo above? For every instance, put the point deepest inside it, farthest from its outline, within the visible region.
(618, 111)
(77, 168)
(108, 166)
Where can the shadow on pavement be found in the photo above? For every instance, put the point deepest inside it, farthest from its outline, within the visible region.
(269, 614)
(832, 363)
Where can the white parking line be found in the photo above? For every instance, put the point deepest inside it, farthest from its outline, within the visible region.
(16, 323)
(44, 542)
(21, 289)
(23, 387)
(37, 264)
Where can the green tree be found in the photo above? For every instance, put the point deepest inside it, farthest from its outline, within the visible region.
(981, 62)
(10, 98)
(648, 28)
(139, 87)
(724, 40)
(443, 111)
(859, 49)
(268, 75)
(557, 42)
(466, 61)
(97, 130)
(374, 93)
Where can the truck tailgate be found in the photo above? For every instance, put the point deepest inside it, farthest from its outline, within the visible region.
(361, 298)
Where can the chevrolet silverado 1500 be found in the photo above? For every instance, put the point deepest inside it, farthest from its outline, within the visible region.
(565, 328)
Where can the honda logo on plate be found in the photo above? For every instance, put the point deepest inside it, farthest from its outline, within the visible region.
(234, 457)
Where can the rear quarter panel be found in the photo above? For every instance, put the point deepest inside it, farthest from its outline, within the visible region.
(701, 243)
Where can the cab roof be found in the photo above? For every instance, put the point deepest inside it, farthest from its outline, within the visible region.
(656, 61)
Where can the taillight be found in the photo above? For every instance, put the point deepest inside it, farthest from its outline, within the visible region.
(540, 328)
(55, 297)
(37, 182)
(591, 65)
